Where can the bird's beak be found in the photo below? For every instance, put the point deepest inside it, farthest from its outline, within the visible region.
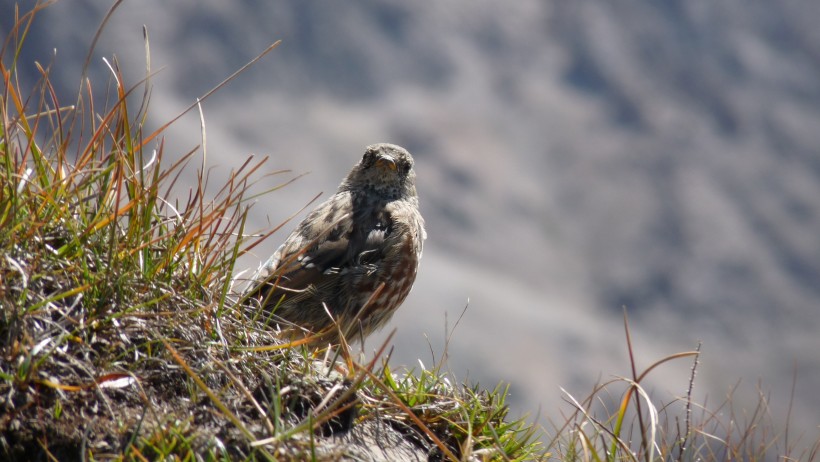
(385, 163)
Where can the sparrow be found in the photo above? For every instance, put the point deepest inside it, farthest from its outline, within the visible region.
(351, 262)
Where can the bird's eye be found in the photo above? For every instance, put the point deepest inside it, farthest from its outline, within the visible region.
(405, 166)
(369, 157)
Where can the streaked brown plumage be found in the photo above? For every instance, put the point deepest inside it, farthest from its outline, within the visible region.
(354, 257)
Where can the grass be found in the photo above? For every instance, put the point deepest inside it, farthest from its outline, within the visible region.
(620, 420)
(122, 337)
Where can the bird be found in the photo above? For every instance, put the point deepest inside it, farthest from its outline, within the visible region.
(348, 266)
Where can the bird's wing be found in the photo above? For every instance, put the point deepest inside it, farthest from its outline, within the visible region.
(318, 245)
(406, 216)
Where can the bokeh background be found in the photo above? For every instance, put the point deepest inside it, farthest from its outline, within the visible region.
(573, 157)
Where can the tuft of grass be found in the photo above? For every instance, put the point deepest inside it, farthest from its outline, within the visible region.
(473, 419)
(120, 334)
(620, 420)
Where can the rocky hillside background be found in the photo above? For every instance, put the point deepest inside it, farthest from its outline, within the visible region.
(574, 158)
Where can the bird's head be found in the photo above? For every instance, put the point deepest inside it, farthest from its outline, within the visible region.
(386, 169)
